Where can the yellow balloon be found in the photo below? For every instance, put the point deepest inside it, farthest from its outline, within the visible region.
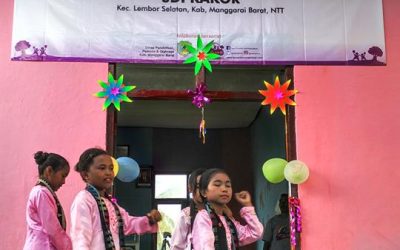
(116, 166)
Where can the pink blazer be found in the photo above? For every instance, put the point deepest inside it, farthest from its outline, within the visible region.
(86, 231)
(182, 236)
(44, 231)
(203, 236)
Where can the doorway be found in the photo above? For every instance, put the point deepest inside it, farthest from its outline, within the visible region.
(160, 128)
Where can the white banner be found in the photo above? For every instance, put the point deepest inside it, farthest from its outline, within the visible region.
(244, 31)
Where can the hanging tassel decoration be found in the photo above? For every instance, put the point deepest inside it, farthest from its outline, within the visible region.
(202, 127)
(200, 100)
(295, 220)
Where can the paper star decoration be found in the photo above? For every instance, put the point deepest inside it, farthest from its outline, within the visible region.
(114, 92)
(278, 95)
(201, 55)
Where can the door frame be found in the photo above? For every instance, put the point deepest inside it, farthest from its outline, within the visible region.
(290, 118)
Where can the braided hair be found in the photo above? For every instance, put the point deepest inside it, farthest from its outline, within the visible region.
(193, 187)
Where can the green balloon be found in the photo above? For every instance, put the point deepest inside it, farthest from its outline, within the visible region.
(273, 170)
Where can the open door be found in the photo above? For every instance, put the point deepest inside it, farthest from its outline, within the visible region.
(161, 130)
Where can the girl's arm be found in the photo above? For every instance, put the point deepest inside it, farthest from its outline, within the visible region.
(137, 225)
(81, 221)
(253, 230)
(202, 234)
(47, 211)
(179, 239)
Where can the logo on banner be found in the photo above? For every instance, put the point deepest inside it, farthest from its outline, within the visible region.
(218, 49)
(182, 50)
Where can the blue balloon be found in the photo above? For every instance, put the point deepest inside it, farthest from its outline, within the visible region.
(128, 169)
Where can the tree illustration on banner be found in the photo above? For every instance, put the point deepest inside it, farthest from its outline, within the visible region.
(375, 51)
(201, 55)
(278, 95)
(114, 92)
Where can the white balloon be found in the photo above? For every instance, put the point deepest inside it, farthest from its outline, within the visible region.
(296, 172)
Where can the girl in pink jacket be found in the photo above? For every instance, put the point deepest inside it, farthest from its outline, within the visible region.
(98, 223)
(44, 213)
(215, 230)
(182, 236)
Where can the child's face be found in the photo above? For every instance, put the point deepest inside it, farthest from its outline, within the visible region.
(57, 179)
(100, 173)
(219, 189)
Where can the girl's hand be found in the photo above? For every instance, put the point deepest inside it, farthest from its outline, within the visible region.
(154, 216)
(244, 198)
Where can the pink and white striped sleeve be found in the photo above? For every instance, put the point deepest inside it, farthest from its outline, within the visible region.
(253, 230)
(137, 225)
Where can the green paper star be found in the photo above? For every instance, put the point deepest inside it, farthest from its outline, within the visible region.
(201, 55)
(114, 92)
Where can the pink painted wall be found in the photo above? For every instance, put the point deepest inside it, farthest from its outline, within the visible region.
(348, 132)
(44, 106)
